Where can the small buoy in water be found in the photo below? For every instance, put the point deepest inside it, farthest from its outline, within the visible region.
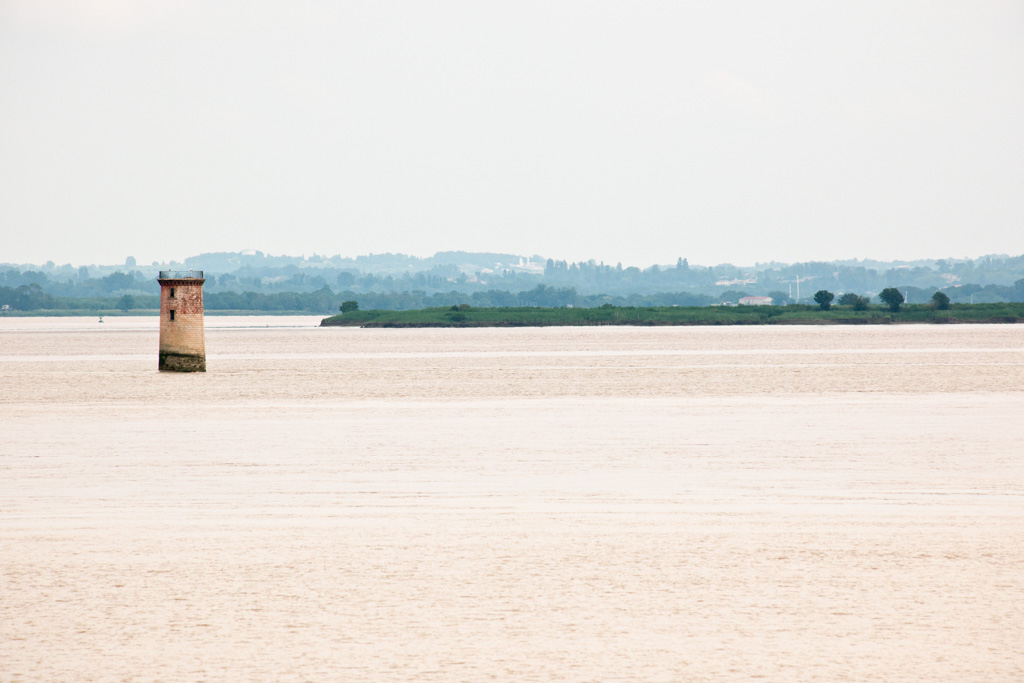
(101, 318)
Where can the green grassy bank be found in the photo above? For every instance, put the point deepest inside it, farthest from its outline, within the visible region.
(465, 316)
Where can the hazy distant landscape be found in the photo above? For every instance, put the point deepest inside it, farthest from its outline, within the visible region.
(256, 281)
(536, 341)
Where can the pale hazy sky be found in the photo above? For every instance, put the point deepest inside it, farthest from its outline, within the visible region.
(633, 131)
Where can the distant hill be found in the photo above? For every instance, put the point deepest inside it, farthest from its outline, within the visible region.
(401, 280)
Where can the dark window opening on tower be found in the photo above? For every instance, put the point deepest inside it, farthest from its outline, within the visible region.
(172, 316)
(172, 292)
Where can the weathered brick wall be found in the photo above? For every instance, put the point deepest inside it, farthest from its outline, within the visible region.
(182, 340)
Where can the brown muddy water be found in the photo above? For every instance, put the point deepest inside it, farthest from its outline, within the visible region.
(579, 504)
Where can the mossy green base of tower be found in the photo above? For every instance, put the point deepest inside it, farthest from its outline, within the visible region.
(181, 362)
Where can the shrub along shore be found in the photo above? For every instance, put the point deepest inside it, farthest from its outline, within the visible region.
(467, 316)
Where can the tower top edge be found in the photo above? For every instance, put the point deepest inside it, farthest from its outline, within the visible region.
(180, 275)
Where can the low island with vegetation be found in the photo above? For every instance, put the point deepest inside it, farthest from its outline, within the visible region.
(858, 312)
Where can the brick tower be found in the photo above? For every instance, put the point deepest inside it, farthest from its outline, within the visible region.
(182, 342)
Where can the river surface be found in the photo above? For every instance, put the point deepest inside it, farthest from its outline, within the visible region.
(578, 504)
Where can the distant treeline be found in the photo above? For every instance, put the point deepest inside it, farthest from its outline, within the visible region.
(398, 280)
(541, 296)
(258, 282)
(28, 298)
(324, 300)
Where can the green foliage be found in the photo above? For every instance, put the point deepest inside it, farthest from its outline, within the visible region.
(670, 315)
(349, 306)
(892, 297)
(732, 295)
(859, 303)
(940, 301)
(823, 298)
(25, 297)
(126, 302)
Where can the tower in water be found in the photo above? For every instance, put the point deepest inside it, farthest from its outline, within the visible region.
(182, 339)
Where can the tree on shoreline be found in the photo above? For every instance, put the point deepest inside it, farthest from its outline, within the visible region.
(859, 303)
(893, 297)
(823, 298)
(940, 301)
